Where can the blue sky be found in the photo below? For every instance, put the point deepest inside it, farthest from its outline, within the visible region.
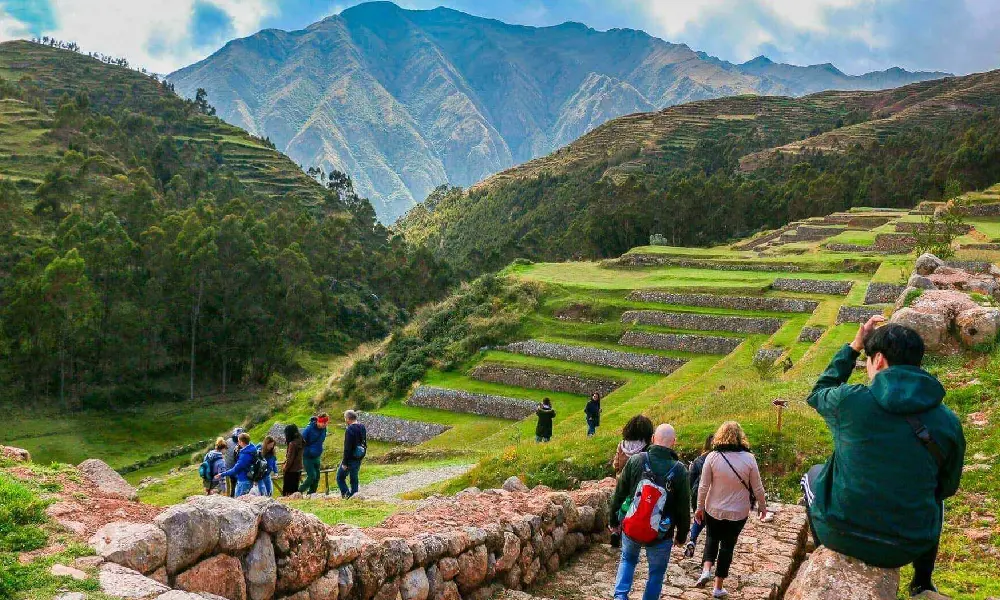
(960, 36)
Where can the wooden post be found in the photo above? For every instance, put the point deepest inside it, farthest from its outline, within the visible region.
(780, 405)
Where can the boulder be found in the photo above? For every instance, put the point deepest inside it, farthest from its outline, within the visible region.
(343, 549)
(927, 264)
(415, 585)
(948, 303)
(301, 552)
(514, 484)
(274, 515)
(326, 587)
(828, 574)
(238, 521)
(932, 328)
(261, 569)
(138, 546)
(473, 566)
(116, 580)
(15, 454)
(510, 553)
(978, 325)
(397, 556)
(88, 562)
(59, 570)
(448, 591)
(192, 532)
(448, 568)
(179, 595)
(221, 575)
(106, 479)
(920, 282)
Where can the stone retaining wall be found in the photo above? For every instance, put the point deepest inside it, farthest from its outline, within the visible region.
(857, 314)
(883, 293)
(400, 431)
(700, 322)
(983, 210)
(543, 380)
(769, 354)
(486, 405)
(900, 243)
(790, 305)
(632, 361)
(660, 260)
(990, 246)
(972, 266)
(685, 342)
(813, 286)
(811, 334)
(918, 227)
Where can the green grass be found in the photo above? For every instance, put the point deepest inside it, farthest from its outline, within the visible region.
(988, 227)
(355, 512)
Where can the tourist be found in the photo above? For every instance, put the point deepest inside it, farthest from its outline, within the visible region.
(593, 412)
(215, 463)
(730, 488)
(355, 449)
(637, 435)
(232, 449)
(292, 469)
(898, 453)
(313, 437)
(695, 475)
(545, 414)
(268, 449)
(245, 456)
(661, 465)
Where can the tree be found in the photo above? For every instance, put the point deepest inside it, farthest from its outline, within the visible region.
(67, 310)
(201, 102)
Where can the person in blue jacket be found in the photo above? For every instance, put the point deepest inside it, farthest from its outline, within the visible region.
(244, 461)
(267, 449)
(313, 437)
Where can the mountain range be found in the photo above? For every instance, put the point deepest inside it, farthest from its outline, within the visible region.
(406, 100)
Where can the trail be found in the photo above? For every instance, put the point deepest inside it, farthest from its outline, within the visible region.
(388, 489)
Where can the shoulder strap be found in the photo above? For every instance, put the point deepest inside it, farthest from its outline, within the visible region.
(924, 435)
(735, 472)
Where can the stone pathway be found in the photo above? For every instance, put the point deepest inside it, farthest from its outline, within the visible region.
(388, 489)
(766, 558)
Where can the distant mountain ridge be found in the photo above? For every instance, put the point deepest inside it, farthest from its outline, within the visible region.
(406, 100)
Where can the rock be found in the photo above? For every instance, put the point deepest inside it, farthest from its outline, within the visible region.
(106, 479)
(928, 595)
(828, 575)
(343, 549)
(179, 595)
(72, 596)
(160, 576)
(397, 556)
(978, 325)
(59, 570)
(192, 532)
(238, 521)
(948, 303)
(326, 587)
(261, 569)
(448, 591)
(116, 580)
(302, 552)
(514, 484)
(448, 568)
(15, 454)
(927, 264)
(221, 575)
(932, 328)
(511, 552)
(346, 578)
(586, 518)
(88, 562)
(138, 546)
(75, 527)
(388, 591)
(415, 585)
(920, 282)
(274, 515)
(473, 566)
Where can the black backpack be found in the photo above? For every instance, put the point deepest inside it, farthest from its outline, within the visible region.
(259, 469)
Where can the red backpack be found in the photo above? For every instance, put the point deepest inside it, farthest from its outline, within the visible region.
(647, 519)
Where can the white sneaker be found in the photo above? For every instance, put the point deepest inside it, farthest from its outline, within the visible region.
(703, 580)
(720, 593)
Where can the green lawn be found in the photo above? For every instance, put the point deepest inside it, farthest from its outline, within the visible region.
(988, 227)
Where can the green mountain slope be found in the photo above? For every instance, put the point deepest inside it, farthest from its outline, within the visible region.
(406, 100)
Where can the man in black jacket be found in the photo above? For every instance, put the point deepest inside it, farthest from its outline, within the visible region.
(355, 448)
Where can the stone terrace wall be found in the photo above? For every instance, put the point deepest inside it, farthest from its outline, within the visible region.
(700, 322)
(660, 260)
(791, 305)
(685, 342)
(983, 210)
(883, 293)
(544, 380)
(810, 334)
(616, 359)
(486, 405)
(400, 431)
(899, 243)
(857, 314)
(813, 286)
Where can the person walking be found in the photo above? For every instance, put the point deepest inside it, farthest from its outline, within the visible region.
(898, 453)
(268, 450)
(697, 466)
(730, 488)
(593, 412)
(313, 437)
(637, 435)
(292, 469)
(545, 414)
(232, 449)
(244, 462)
(355, 449)
(661, 467)
(213, 464)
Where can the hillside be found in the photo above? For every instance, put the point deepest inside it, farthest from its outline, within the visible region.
(406, 100)
(713, 170)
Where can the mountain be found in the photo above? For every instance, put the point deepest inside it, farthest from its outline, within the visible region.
(709, 171)
(406, 100)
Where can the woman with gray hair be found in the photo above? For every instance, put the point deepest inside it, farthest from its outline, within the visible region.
(355, 449)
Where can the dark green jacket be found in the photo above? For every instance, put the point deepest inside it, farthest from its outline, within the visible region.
(878, 498)
(661, 460)
(544, 427)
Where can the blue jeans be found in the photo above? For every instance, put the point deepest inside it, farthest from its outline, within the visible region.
(591, 428)
(353, 466)
(696, 528)
(657, 554)
(243, 488)
(265, 486)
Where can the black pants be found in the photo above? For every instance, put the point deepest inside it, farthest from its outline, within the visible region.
(721, 542)
(923, 566)
(290, 482)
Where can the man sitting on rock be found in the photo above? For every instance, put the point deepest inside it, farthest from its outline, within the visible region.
(898, 453)
(661, 467)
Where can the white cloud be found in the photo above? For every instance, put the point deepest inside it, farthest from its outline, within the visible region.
(11, 28)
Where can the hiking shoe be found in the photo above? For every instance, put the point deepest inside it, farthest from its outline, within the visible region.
(720, 593)
(703, 580)
(916, 590)
(689, 550)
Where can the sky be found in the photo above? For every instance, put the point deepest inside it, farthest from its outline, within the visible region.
(957, 36)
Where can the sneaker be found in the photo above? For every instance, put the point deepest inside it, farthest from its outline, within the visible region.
(720, 593)
(689, 550)
(703, 580)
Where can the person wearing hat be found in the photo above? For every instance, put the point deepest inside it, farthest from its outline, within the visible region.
(313, 437)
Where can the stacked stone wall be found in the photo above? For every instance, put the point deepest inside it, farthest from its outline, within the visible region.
(883, 293)
(857, 314)
(972, 266)
(487, 405)
(789, 305)
(983, 210)
(702, 322)
(616, 359)
(399, 431)
(813, 286)
(685, 342)
(808, 233)
(920, 227)
(896, 243)
(543, 380)
(649, 260)
(811, 334)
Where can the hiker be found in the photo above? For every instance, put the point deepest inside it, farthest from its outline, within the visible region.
(656, 487)
(898, 453)
(213, 464)
(593, 412)
(232, 449)
(730, 488)
(313, 437)
(637, 435)
(355, 449)
(268, 450)
(697, 466)
(545, 413)
(245, 456)
(292, 469)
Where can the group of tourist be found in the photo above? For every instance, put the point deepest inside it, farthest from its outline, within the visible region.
(887, 512)
(236, 466)
(546, 414)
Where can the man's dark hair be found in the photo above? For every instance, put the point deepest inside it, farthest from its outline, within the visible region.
(899, 344)
(639, 428)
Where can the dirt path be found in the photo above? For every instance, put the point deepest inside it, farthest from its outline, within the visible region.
(388, 489)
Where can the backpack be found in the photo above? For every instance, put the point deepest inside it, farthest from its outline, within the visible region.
(205, 470)
(362, 448)
(647, 519)
(259, 469)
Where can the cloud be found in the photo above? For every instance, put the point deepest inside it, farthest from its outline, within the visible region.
(11, 28)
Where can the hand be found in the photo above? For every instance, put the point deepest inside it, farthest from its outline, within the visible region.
(762, 514)
(615, 530)
(218, 476)
(859, 340)
(343, 467)
(699, 515)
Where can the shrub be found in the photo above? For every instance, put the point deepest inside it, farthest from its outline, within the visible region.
(911, 296)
